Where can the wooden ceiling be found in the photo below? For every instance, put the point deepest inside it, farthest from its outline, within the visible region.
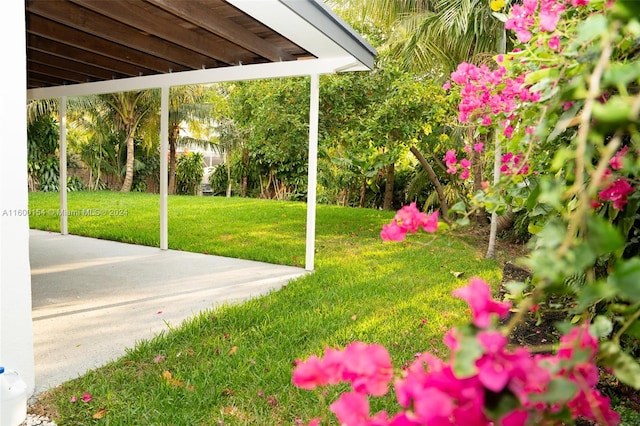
(80, 41)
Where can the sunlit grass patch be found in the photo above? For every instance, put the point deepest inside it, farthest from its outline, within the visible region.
(233, 364)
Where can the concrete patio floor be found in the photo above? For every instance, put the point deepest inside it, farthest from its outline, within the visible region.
(93, 298)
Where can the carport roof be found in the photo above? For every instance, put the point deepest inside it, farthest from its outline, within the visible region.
(73, 43)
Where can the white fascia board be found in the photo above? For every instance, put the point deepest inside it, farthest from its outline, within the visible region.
(205, 76)
(287, 23)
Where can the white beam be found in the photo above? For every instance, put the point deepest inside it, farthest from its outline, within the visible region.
(164, 168)
(314, 98)
(212, 75)
(64, 222)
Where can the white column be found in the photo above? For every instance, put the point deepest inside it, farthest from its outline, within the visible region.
(313, 171)
(164, 168)
(64, 225)
(16, 331)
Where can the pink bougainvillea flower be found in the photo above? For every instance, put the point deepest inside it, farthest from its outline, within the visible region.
(450, 160)
(159, 358)
(465, 163)
(508, 131)
(478, 295)
(617, 162)
(86, 397)
(368, 368)
(410, 218)
(351, 408)
(515, 418)
(393, 232)
(554, 43)
(465, 174)
(617, 192)
(478, 147)
(310, 374)
(73, 399)
(493, 369)
(550, 11)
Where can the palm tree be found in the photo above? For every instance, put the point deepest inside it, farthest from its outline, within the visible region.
(129, 110)
(430, 35)
(230, 138)
(188, 107)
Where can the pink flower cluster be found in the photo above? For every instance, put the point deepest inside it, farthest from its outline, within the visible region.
(451, 161)
(431, 392)
(366, 367)
(522, 18)
(618, 190)
(486, 92)
(513, 164)
(409, 219)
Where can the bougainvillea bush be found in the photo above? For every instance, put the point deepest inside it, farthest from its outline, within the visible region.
(561, 108)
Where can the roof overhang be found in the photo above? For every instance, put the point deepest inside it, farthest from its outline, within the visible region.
(242, 40)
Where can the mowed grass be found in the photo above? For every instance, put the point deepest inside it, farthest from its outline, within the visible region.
(233, 365)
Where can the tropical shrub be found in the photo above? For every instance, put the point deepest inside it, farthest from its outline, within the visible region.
(189, 172)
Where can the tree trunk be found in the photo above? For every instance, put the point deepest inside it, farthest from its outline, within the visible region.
(436, 183)
(245, 177)
(363, 192)
(173, 139)
(476, 168)
(387, 203)
(244, 186)
(172, 167)
(128, 177)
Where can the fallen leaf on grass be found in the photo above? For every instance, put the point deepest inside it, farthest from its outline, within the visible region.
(233, 350)
(167, 377)
(457, 274)
(100, 413)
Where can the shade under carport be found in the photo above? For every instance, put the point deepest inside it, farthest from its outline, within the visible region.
(88, 50)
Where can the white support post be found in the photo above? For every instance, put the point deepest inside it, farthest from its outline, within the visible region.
(64, 224)
(164, 168)
(16, 327)
(313, 171)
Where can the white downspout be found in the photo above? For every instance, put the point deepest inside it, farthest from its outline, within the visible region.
(314, 103)
(164, 168)
(64, 224)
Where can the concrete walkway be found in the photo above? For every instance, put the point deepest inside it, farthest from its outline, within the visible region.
(93, 298)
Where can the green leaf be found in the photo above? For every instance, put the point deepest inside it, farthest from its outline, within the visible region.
(463, 221)
(590, 28)
(459, 207)
(624, 366)
(626, 279)
(464, 362)
(593, 293)
(500, 16)
(601, 326)
(559, 390)
(603, 236)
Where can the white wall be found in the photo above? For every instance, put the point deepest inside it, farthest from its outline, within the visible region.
(16, 333)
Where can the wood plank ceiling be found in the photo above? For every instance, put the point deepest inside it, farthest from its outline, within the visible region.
(79, 41)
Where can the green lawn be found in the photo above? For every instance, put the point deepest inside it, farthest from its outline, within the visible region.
(234, 364)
